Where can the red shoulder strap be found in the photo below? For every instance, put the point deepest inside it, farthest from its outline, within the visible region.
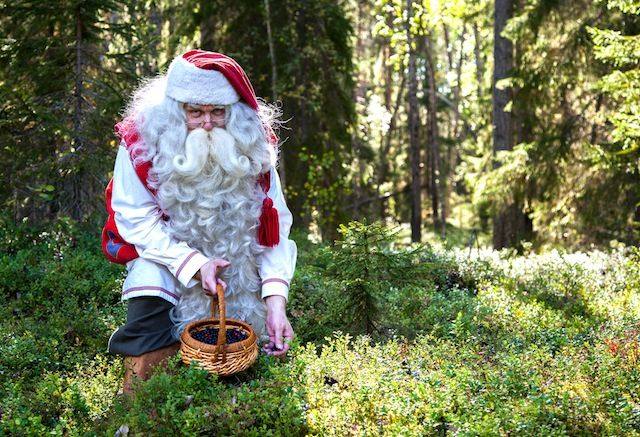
(127, 131)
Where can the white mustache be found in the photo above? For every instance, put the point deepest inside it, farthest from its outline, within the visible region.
(218, 146)
(195, 156)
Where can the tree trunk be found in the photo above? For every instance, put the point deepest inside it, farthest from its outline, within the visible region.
(510, 223)
(274, 81)
(73, 191)
(77, 115)
(383, 165)
(171, 42)
(155, 17)
(593, 138)
(414, 145)
(458, 87)
(503, 64)
(447, 45)
(301, 109)
(388, 74)
(452, 152)
(479, 59)
(437, 177)
(272, 52)
(359, 94)
(208, 25)
(384, 155)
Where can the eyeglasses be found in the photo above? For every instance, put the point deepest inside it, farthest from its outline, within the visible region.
(217, 115)
(197, 124)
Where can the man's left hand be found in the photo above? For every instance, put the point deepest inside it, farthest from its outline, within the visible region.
(278, 326)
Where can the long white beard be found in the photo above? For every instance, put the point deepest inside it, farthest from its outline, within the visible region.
(210, 193)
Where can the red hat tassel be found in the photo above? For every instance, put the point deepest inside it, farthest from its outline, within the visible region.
(269, 229)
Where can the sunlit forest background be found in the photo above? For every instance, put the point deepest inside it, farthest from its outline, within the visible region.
(516, 121)
(465, 187)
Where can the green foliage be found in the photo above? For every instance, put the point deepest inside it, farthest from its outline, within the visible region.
(188, 401)
(365, 269)
(368, 284)
(626, 6)
(467, 342)
(62, 84)
(623, 53)
(61, 303)
(573, 164)
(340, 72)
(322, 194)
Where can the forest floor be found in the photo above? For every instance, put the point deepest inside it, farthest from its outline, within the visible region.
(391, 340)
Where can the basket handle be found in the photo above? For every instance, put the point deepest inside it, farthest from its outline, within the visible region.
(222, 332)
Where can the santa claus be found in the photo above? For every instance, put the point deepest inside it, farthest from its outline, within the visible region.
(196, 201)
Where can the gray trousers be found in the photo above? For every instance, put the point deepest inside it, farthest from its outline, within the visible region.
(148, 327)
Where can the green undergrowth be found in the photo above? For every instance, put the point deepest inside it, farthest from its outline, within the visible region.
(391, 340)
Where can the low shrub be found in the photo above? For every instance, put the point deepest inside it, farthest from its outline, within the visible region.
(391, 340)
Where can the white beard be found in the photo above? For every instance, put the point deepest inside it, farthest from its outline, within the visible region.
(210, 193)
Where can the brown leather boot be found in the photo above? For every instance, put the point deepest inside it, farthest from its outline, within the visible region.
(141, 366)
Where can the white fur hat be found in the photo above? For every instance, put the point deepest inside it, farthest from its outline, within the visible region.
(191, 81)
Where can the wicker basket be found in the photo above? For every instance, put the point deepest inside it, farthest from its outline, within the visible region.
(221, 358)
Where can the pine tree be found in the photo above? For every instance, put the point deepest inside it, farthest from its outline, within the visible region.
(62, 86)
(619, 50)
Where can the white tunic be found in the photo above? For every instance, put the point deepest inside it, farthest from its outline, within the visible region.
(165, 262)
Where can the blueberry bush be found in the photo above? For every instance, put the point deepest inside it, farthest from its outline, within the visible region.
(391, 340)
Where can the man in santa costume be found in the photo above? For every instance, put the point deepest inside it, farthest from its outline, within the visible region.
(196, 201)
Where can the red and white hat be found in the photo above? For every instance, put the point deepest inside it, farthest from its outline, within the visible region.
(209, 78)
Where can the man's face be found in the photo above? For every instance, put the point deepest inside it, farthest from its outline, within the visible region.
(204, 116)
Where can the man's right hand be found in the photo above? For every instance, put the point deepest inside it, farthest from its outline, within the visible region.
(209, 273)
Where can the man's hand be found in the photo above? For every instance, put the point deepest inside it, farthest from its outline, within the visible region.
(208, 274)
(278, 327)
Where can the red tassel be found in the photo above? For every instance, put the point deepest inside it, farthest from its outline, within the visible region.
(269, 230)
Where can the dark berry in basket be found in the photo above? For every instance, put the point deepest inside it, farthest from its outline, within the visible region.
(210, 335)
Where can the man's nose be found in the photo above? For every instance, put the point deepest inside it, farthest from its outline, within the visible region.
(208, 122)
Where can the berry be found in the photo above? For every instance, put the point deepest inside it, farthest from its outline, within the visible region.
(210, 335)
